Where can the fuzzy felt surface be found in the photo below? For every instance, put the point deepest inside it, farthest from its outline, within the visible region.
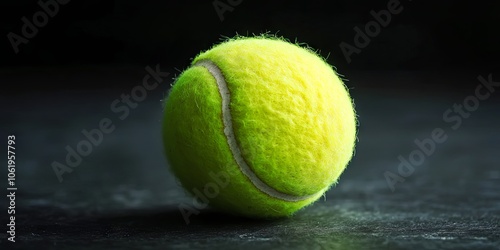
(292, 118)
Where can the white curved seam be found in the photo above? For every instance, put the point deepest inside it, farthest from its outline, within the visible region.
(231, 140)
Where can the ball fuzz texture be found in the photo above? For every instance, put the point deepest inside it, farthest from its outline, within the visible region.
(258, 127)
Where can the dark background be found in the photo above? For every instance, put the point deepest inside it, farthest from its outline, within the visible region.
(426, 61)
(426, 35)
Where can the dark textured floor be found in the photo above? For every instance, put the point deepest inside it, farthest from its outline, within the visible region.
(122, 195)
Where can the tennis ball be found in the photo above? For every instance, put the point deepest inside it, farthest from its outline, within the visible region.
(258, 127)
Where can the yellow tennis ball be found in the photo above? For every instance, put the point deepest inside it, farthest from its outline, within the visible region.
(258, 127)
